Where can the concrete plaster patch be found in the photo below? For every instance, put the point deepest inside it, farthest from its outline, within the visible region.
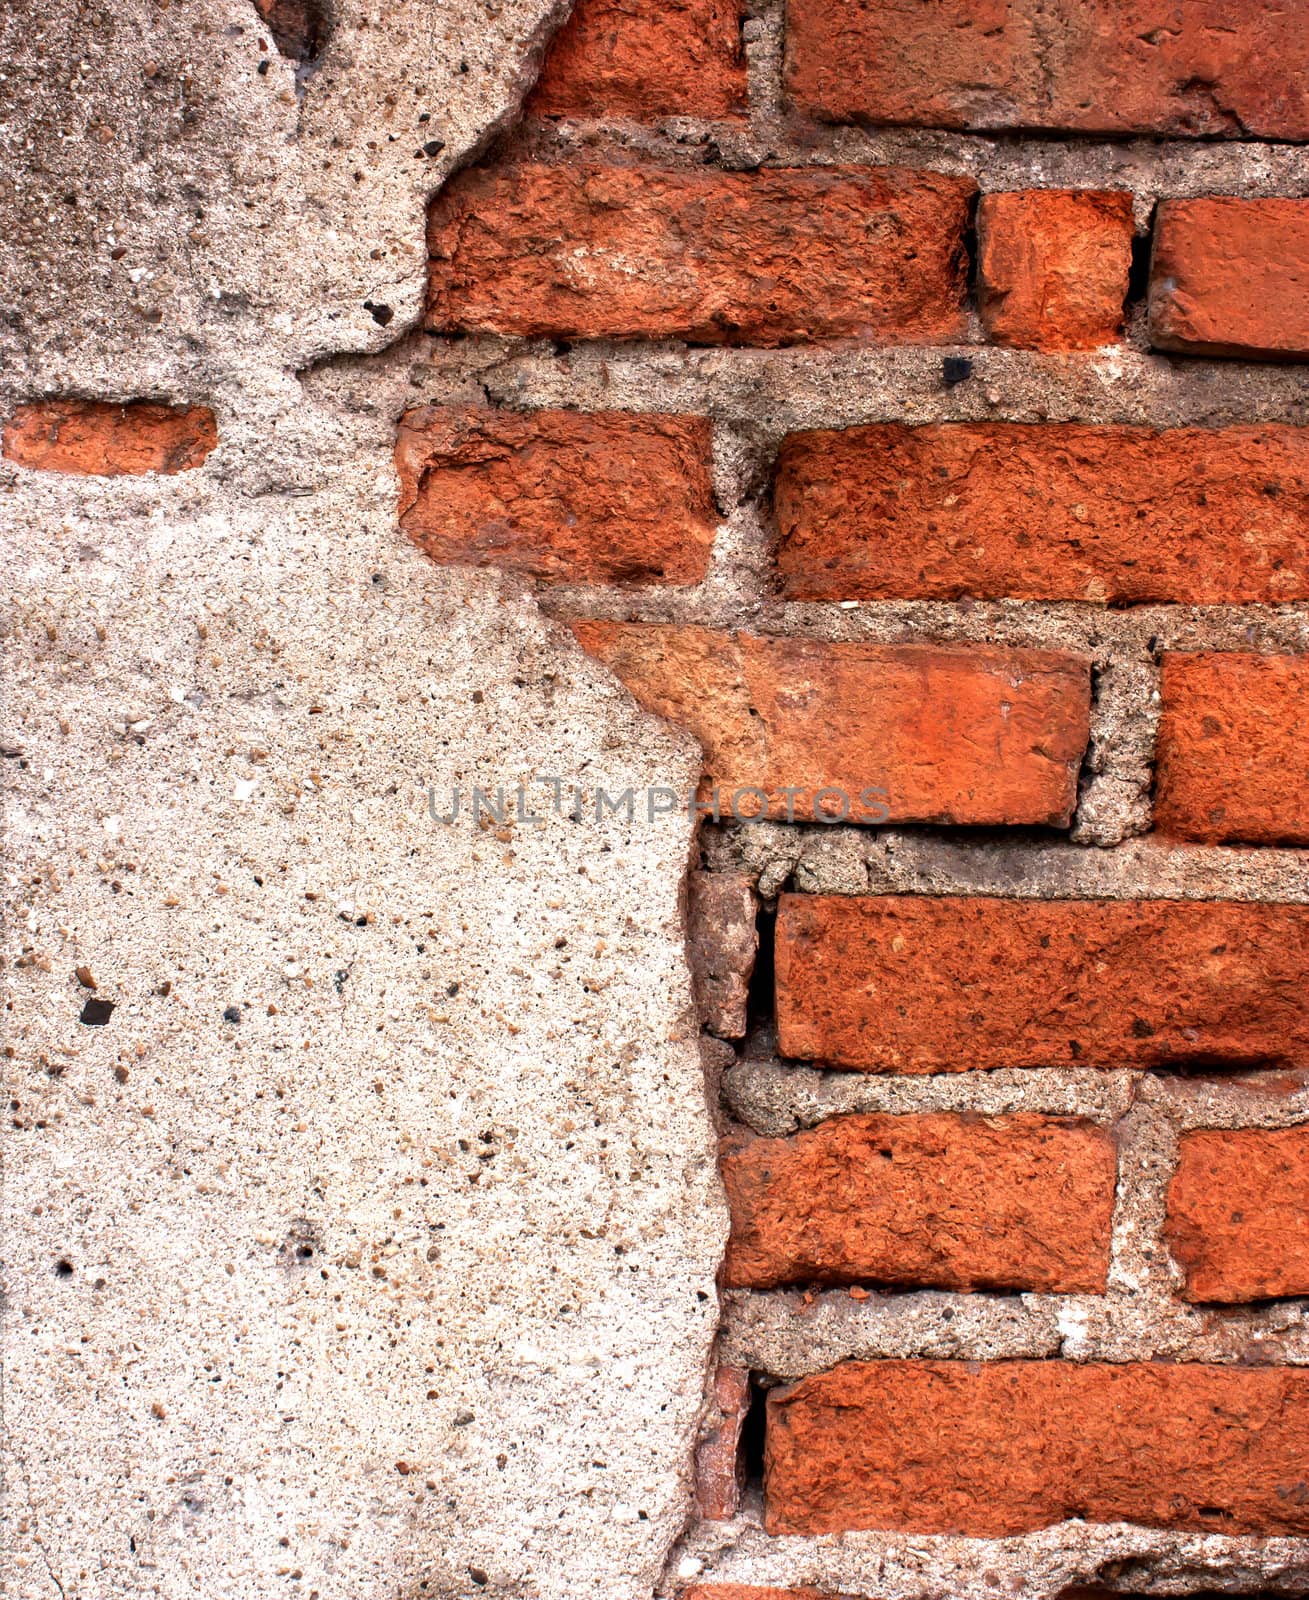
(368, 1247)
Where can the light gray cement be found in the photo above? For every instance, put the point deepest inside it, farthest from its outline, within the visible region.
(402, 1284)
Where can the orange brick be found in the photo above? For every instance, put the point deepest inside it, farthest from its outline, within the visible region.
(1200, 70)
(1231, 277)
(775, 256)
(903, 983)
(1053, 267)
(963, 734)
(1233, 762)
(106, 439)
(745, 1591)
(719, 1470)
(997, 1448)
(600, 497)
(942, 1201)
(1238, 1214)
(1045, 511)
(644, 59)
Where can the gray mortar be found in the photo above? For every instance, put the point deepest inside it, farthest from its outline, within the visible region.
(840, 860)
(1041, 1565)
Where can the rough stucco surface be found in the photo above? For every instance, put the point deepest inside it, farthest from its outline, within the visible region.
(402, 1284)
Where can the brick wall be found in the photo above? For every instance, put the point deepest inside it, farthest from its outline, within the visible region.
(938, 484)
(907, 400)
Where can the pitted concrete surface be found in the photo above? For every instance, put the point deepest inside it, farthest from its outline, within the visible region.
(368, 1248)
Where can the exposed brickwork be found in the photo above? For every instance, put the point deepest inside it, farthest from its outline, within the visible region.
(1230, 277)
(945, 1201)
(905, 984)
(1083, 66)
(590, 250)
(719, 1468)
(563, 495)
(912, 732)
(1053, 511)
(105, 439)
(1053, 267)
(871, 593)
(1002, 1447)
(629, 58)
(1238, 1213)
(906, 401)
(1234, 748)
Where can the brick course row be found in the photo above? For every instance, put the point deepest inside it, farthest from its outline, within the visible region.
(591, 249)
(1076, 66)
(1029, 511)
(620, 246)
(996, 1448)
(1036, 511)
(1020, 1202)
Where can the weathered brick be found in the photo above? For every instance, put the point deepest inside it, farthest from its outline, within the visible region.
(1055, 511)
(775, 256)
(1053, 267)
(106, 439)
(1233, 761)
(719, 1469)
(644, 59)
(903, 983)
(940, 1200)
(962, 734)
(746, 1591)
(1238, 1213)
(721, 943)
(1085, 66)
(600, 497)
(1231, 277)
(995, 1448)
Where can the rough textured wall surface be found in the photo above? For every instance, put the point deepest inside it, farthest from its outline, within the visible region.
(368, 1248)
(912, 441)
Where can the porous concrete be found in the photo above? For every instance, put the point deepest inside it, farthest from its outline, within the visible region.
(368, 1250)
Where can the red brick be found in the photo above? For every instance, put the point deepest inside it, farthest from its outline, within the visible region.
(599, 497)
(1238, 1214)
(771, 257)
(1045, 511)
(963, 734)
(1233, 764)
(1085, 66)
(942, 1201)
(1231, 277)
(902, 983)
(745, 1591)
(105, 439)
(645, 59)
(719, 1470)
(996, 1448)
(721, 944)
(1053, 266)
